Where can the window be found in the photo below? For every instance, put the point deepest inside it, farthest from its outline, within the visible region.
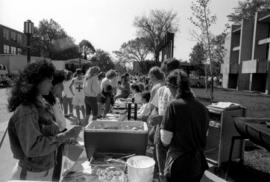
(19, 51)
(12, 50)
(6, 34)
(19, 38)
(13, 35)
(6, 49)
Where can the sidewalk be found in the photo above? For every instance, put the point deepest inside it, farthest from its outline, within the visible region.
(7, 161)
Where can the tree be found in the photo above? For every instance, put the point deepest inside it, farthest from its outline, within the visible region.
(154, 28)
(86, 47)
(50, 40)
(68, 52)
(120, 67)
(218, 52)
(133, 50)
(103, 60)
(202, 19)
(198, 58)
(37, 47)
(246, 9)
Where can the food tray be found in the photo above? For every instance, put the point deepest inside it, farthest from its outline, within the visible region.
(116, 137)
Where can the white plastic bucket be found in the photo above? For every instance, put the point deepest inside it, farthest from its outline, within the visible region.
(140, 169)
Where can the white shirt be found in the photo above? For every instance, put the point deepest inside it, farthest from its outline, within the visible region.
(78, 87)
(91, 87)
(154, 91)
(162, 99)
(66, 90)
(105, 81)
(59, 114)
(144, 110)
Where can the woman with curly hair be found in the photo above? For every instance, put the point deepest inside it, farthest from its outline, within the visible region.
(33, 133)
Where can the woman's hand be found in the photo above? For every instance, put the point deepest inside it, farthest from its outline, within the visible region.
(73, 132)
(67, 135)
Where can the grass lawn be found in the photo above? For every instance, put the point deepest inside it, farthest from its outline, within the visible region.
(258, 105)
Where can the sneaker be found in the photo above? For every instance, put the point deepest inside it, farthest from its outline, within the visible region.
(99, 117)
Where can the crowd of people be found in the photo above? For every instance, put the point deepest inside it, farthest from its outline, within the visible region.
(42, 98)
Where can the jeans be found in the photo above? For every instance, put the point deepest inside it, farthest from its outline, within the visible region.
(91, 104)
(67, 102)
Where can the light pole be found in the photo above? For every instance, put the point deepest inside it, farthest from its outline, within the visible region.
(28, 30)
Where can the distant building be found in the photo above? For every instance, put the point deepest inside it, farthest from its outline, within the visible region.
(11, 41)
(247, 61)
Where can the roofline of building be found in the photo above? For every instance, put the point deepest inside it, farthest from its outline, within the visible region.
(11, 29)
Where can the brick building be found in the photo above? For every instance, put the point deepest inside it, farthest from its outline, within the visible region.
(247, 61)
(11, 41)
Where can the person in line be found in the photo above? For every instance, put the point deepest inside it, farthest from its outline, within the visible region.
(124, 87)
(156, 77)
(110, 75)
(91, 91)
(53, 98)
(101, 75)
(136, 93)
(183, 131)
(106, 98)
(165, 94)
(76, 88)
(67, 96)
(114, 82)
(144, 111)
(34, 135)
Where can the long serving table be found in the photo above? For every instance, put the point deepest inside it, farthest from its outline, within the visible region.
(109, 141)
(255, 129)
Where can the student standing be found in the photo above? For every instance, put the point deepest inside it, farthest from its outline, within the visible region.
(183, 131)
(76, 88)
(54, 101)
(108, 90)
(92, 89)
(67, 95)
(124, 87)
(136, 93)
(34, 135)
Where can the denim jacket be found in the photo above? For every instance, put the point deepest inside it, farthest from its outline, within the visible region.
(32, 133)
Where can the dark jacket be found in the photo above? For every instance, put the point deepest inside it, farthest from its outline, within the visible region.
(32, 133)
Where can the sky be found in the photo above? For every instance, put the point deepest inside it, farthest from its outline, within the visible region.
(109, 23)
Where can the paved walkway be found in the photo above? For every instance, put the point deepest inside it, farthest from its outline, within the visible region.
(7, 161)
